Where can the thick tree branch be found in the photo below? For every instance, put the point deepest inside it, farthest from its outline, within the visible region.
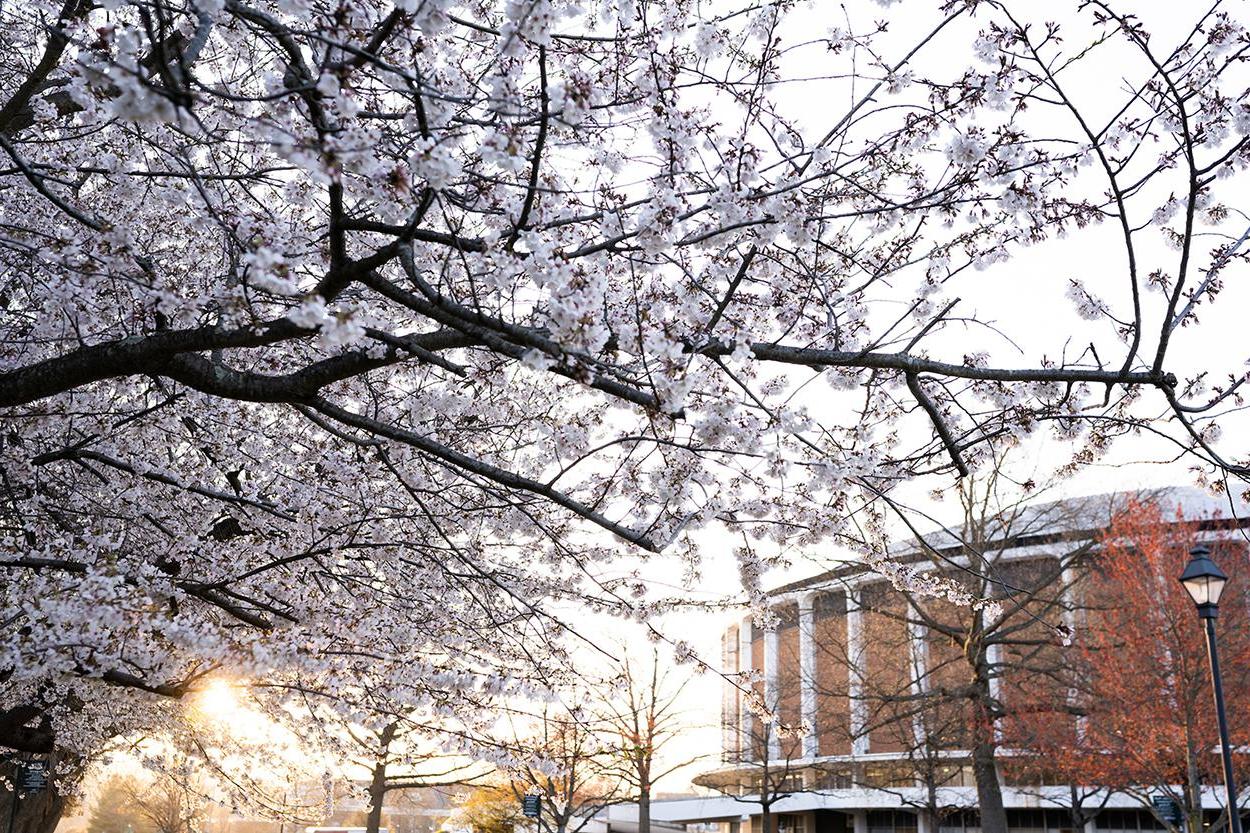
(471, 465)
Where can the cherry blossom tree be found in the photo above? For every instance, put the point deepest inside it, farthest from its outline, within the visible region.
(346, 343)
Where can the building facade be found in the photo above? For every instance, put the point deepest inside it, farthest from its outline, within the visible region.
(861, 704)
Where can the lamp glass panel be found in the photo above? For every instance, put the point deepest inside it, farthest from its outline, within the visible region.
(1215, 586)
(1205, 589)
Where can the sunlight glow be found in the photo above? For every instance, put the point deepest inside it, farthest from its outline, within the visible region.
(216, 701)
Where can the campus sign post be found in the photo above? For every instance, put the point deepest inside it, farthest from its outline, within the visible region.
(29, 777)
(1167, 809)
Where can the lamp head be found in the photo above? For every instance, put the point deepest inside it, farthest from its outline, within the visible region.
(1204, 581)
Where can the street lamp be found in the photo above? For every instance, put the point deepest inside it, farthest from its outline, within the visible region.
(1205, 582)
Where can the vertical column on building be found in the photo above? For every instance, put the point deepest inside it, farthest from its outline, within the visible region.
(859, 821)
(994, 658)
(807, 673)
(1068, 597)
(918, 644)
(772, 696)
(855, 676)
(745, 717)
(731, 714)
(1071, 622)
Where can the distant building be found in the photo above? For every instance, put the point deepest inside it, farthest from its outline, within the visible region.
(417, 810)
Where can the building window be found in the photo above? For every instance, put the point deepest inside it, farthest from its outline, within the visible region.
(791, 823)
(1027, 821)
(888, 775)
(891, 821)
(960, 821)
(833, 779)
(952, 775)
(1133, 820)
(1060, 820)
(791, 783)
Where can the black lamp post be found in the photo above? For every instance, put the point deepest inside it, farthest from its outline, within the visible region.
(1205, 582)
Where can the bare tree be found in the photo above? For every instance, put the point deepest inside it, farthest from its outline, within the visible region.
(112, 811)
(641, 723)
(566, 764)
(168, 803)
(769, 769)
(941, 678)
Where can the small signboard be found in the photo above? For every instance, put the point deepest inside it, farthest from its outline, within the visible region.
(1167, 808)
(32, 776)
(530, 805)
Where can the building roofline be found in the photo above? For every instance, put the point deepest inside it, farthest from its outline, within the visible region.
(912, 554)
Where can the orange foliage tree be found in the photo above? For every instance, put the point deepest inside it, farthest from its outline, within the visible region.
(1140, 718)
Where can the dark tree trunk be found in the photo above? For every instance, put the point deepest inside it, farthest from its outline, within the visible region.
(644, 809)
(32, 812)
(1193, 791)
(377, 786)
(984, 744)
(377, 798)
(1076, 810)
(985, 769)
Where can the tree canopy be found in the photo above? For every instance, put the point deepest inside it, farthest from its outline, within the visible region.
(339, 339)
